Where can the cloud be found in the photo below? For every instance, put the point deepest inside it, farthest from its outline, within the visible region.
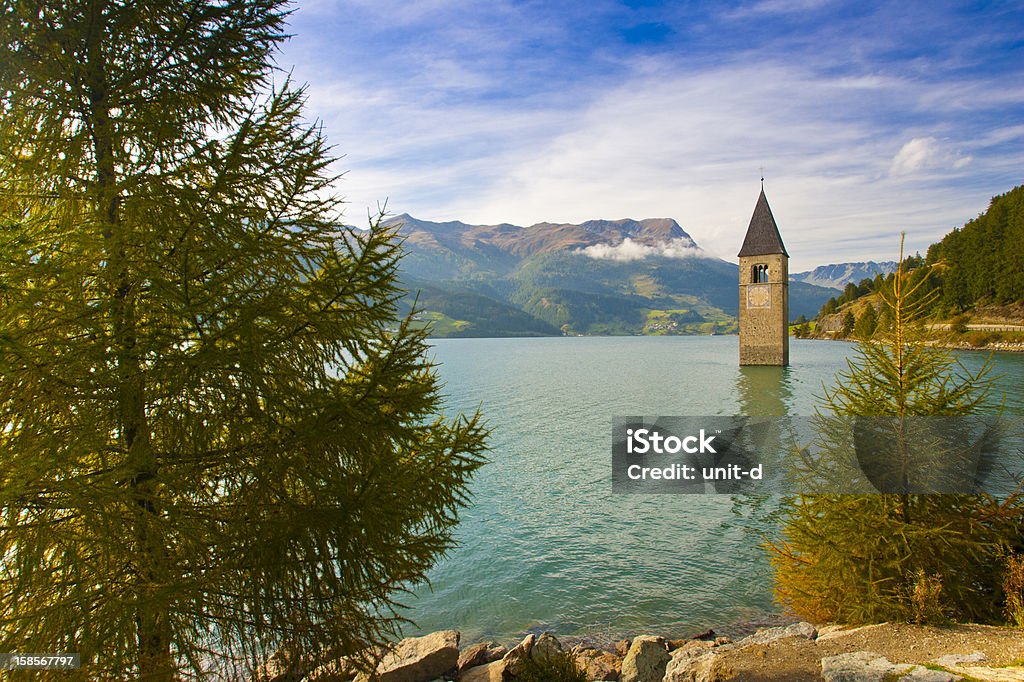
(687, 145)
(629, 250)
(690, 145)
(924, 153)
(777, 7)
(914, 155)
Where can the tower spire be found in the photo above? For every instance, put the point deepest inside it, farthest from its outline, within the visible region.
(764, 290)
(763, 234)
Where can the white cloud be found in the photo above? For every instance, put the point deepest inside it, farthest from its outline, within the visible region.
(777, 7)
(925, 153)
(690, 145)
(914, 155)
(629, 250)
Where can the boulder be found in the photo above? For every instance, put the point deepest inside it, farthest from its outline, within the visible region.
(546, 647)
(621, 647)
(481, 654)
(1003, 674)
(693, 664)
(597, 664)
(418, 659)
(951, 660)
(491, 672)
(519, 653)
(830, 632)
(805, 630)
(696, 644)
(861, 666)
(646, 660)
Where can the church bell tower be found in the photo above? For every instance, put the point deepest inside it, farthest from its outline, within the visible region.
(764, 291)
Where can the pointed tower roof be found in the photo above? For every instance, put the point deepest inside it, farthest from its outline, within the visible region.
(763, 236)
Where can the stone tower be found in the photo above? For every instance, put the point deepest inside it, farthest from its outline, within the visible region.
(764, 291)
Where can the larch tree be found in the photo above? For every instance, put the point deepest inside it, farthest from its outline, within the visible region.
(899, 555)
(215, 436)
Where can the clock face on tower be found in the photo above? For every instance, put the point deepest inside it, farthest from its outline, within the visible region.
(759, 296)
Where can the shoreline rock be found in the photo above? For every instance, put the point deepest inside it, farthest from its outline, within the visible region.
(798, 651)
(418, 659)
(481, 653)
(646, 660)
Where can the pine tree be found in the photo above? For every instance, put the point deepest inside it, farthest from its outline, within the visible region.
(849, 322)
(898, 556)
(216, 438)
(850, 292)
(866, 323)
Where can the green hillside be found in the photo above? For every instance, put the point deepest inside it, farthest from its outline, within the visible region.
(973, 280)
(982, 262)
(459, 313)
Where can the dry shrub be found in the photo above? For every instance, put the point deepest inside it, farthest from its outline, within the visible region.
(926, 598)
(1013, 588)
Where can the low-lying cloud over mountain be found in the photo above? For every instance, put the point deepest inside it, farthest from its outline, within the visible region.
(629, 250)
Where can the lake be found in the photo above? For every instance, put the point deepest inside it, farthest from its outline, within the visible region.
(547, 546)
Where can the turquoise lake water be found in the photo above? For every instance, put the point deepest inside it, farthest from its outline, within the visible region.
(547, 546)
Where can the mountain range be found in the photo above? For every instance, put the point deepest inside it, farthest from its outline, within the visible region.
(838, 275)
(597, 277)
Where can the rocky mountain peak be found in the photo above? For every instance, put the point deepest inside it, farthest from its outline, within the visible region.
(541, 237)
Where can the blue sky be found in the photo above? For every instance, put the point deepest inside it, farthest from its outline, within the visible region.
(868, 117)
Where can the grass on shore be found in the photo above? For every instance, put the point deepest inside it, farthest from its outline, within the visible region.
(981, 338)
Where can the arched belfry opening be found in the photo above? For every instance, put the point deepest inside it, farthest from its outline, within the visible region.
(764, 291)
